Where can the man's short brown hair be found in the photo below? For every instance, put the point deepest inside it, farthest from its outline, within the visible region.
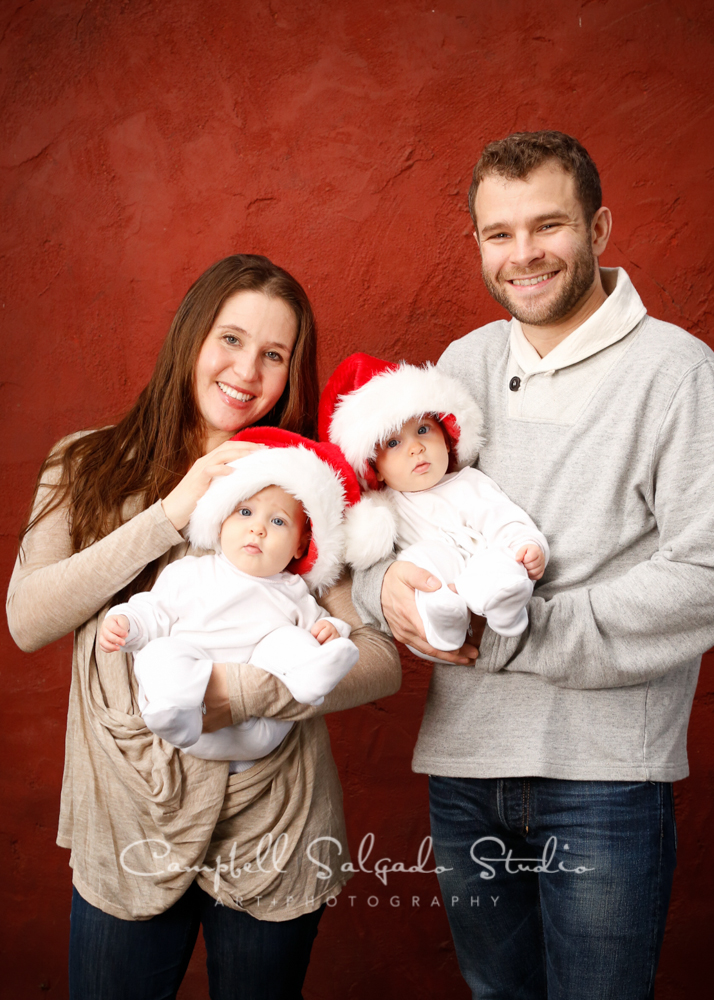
(516, 156)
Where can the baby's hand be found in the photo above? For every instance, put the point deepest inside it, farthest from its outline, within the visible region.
(324, 631)
(115, 629)
(533, 558)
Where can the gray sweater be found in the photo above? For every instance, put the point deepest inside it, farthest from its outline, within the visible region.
(608, 444)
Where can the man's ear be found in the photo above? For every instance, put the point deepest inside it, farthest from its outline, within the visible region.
(600, 229)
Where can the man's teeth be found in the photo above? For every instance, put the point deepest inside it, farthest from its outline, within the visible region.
(243, 397)
(532, 281)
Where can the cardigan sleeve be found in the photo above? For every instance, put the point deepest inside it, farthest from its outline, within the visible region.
(377, 673)
(53, 590)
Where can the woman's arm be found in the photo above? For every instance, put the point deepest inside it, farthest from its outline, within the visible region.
(53, 591)
(254, 692)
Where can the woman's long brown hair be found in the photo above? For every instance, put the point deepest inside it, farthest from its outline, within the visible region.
(146, 454)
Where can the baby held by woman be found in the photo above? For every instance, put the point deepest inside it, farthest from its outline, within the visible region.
(411, 435)
(276, 525)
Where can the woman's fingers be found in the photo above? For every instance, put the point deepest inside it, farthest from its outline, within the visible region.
(181, 501)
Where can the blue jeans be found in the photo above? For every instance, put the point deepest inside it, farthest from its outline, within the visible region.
(113, 959)
(555, 889)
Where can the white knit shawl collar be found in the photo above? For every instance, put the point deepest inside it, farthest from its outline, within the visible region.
(619, 314)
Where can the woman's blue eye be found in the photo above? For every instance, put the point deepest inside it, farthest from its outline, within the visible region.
(273, 355)
(231, 340)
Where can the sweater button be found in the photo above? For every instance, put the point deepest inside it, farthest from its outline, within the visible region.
(515, 384)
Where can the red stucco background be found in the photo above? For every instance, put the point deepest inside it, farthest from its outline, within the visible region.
(143, 140)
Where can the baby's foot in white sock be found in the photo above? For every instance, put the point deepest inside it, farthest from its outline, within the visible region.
(179, 726)
(445, 616)
(309, 670)
(506, 614)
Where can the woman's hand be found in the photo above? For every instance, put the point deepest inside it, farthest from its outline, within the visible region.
(399, 609)
(181, 501)
(218, 706)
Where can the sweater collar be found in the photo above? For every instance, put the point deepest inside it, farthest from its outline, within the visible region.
(619, 314)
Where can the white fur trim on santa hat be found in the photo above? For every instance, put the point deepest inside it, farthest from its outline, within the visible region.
(370, 530)
(299, 472)
(379, 408)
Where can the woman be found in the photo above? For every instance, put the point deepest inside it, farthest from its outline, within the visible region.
(162, 842)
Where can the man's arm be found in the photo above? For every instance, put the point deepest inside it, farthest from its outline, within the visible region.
(660, 613)
(383, 596)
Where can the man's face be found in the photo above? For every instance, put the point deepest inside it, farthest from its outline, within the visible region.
(536, 250)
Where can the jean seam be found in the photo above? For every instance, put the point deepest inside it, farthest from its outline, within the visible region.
(500, 802)
(660, 863)
(543, 945)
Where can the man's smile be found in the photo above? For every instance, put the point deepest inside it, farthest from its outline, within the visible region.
(535, 280)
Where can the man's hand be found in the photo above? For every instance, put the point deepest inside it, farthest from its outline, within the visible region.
(218, 707)
(323, 631)
(533, 559)
(399, 609)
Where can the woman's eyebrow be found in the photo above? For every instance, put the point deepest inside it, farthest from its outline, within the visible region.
(247, 333)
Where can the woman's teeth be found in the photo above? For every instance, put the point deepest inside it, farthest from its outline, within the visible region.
(242, 397)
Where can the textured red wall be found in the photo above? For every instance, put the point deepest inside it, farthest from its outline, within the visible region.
(141, 142)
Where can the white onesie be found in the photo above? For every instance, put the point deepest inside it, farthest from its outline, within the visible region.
(203, 610)
(467, 532)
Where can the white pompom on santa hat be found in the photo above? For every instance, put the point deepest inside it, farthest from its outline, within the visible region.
(315, 473)
(365, 401)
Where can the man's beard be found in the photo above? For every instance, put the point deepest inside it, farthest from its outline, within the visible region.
(579, 277)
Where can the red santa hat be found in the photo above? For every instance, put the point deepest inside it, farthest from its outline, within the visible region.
(315, 473)
(365, 401)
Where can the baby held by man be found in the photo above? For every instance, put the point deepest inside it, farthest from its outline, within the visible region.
(393, 472)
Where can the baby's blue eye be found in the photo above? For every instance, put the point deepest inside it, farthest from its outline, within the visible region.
(424, 429)
(393, 443)
(279, 521)
(245, 511)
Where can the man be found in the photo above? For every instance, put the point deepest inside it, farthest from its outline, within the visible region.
(552, 758)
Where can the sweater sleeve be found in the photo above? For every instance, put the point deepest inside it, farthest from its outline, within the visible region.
(367, 594)
(660, 613)
(53, 591)
(377, 673)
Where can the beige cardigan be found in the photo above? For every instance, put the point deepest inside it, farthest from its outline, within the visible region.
(143, 819)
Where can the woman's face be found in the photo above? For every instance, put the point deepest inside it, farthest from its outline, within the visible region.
(243, 365)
